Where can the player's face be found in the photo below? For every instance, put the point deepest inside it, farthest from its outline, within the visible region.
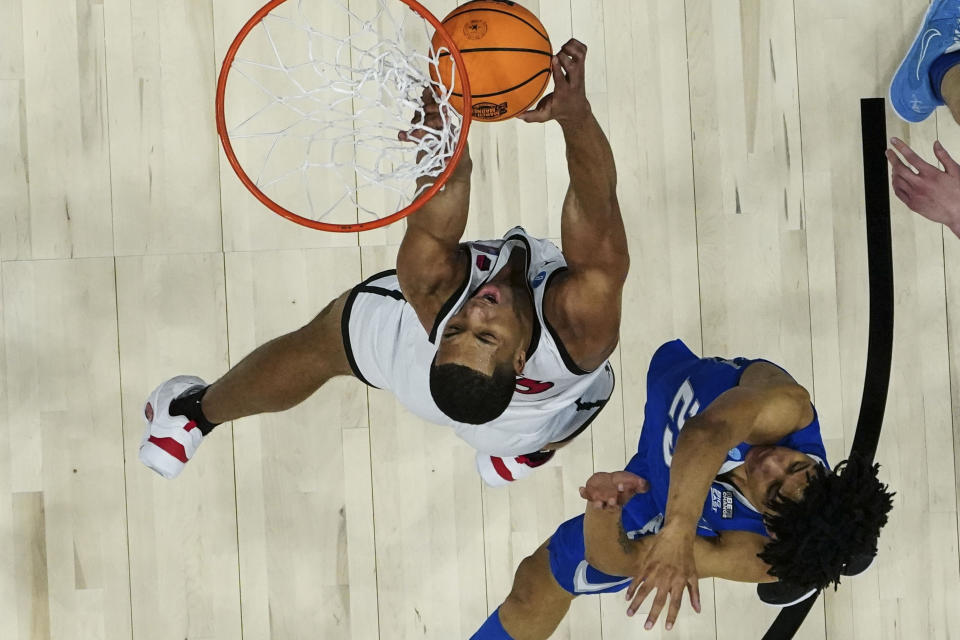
(488, 330)
(773, 471)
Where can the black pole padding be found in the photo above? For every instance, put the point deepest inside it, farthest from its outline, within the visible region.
(873, 124)
(880, 260)
(790, 619)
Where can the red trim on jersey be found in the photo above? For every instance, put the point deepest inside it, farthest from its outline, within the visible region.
(190, 426)
(501, 468)
(172, 447)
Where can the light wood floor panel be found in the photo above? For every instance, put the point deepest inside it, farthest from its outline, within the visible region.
(69, 531)
(161, 80)
(14, 190)
(66, 123)
(183, 533)
(291, 468)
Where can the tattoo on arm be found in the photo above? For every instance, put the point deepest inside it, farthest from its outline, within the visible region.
(626, 544)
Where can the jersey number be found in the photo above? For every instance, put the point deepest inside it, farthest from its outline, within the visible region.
(527, 386)
(683, 407)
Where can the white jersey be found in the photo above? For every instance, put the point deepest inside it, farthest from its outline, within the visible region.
(388, 348)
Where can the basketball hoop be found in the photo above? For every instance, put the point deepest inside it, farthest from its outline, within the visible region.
(318, 93)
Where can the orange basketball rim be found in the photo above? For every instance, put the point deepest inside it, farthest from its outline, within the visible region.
(380, 218)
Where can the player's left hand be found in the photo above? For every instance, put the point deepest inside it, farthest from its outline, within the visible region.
(568, 102)
(927, 190)
(668, 568)
(610, 490)
(425, 121)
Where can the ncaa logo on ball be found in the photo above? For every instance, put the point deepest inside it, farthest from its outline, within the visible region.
(539, 279)
(489, 110)
(475, 29)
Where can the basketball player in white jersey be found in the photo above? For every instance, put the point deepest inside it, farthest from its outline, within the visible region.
(506, 341)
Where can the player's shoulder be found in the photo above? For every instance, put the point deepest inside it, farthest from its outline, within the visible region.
(584, 317)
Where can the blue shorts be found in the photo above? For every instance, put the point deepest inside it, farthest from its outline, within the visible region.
(568, 563)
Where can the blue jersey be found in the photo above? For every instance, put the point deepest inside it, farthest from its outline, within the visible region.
(679, 386)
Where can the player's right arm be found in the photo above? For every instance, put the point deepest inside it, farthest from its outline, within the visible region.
(583, 306)
(431, 264)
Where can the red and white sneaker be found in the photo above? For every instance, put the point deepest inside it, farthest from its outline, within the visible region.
(497, 472)
(169, 441)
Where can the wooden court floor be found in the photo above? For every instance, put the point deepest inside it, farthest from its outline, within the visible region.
(130, 253)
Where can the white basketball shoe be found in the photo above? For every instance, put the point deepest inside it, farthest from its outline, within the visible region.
(169, 441)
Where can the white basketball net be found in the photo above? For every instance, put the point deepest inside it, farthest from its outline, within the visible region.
(316, 96)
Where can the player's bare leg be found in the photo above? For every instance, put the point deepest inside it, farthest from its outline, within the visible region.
(283, 372)
(276, 376)
(536, 604)
(950, 90)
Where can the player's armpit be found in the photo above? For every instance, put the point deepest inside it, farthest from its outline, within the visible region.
(732, 556)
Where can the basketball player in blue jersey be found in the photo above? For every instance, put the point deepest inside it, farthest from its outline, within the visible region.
(506, 341)
(730, 480)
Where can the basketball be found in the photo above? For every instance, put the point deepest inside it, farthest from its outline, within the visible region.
(507, 54)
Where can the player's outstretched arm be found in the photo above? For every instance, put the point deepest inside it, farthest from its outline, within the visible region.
(584, 306)
(430, 262)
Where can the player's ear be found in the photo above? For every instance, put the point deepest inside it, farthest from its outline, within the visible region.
(519, 361)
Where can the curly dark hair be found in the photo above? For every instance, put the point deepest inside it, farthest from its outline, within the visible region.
(837, 522)
(469, 396)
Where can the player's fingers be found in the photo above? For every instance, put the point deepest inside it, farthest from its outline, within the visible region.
(634, 585)
(907, 174)
(655, 609)
(899, 182)
(673, 610)
(638, 597)
(534, 115)
(911, 156)
(904, 195)
(895, 160)
(568, 66)
(575, 49)
(694, 586)
(949, 164)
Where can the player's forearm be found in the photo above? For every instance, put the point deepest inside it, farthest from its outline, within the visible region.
(593, 173)
(732, 556)
(606, 543)
(591, 226)
(701, 449)
(444, 216)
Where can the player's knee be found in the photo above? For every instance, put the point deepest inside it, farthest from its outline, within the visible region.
(524, 594)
